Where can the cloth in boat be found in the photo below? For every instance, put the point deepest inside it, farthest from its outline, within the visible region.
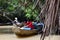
(25, 28)
(40, 26)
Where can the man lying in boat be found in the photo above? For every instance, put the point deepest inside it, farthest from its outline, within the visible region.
(29, 25)
(24, 25)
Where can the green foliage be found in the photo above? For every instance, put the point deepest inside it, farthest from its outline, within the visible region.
(20, 8)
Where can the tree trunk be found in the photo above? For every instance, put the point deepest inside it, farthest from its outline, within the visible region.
(50, 10)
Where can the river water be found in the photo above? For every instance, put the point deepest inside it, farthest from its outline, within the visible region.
(35, 37)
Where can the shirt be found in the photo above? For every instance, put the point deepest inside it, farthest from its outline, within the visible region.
(30, 25)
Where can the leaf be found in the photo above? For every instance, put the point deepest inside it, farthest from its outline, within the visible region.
(11, 8)
(37, 18)
(28, 15)
(29, 10)
(22, 8)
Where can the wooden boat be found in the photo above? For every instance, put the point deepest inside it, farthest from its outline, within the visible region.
(22, 32)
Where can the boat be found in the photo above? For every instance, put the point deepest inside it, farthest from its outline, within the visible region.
(21, 32)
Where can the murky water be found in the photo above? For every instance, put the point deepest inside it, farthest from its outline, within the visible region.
(14, 37)
(35, 37)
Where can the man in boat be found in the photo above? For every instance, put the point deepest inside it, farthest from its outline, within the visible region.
(29, 24)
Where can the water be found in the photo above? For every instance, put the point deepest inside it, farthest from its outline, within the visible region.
(14, 37)
(35, 37)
